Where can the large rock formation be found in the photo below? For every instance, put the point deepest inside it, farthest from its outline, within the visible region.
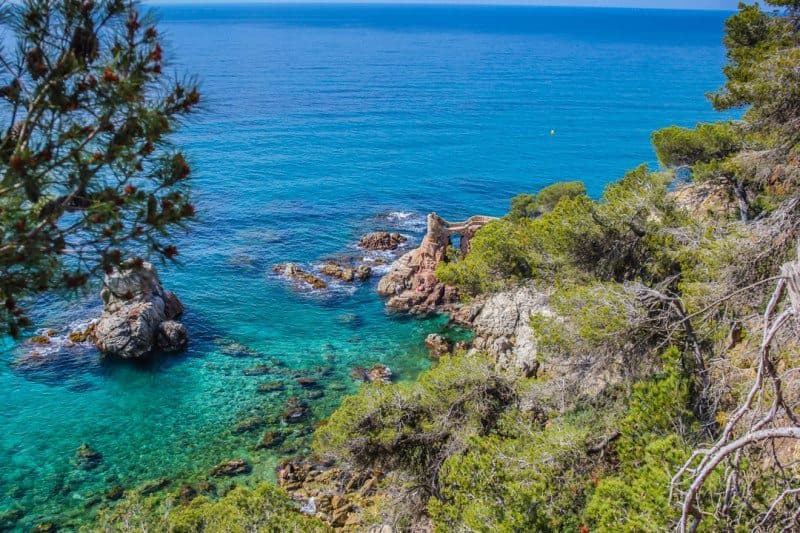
(411, 284)
(138, 315)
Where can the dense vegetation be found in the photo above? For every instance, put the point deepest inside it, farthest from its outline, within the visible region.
(88, 178)
(661, 284)
(683, 413)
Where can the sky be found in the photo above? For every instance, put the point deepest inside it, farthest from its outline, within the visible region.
(661, 4)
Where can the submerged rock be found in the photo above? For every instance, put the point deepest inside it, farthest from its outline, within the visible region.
(307, 383)
(296, 273)
(86, 458)
(235, 467)
(186, 493)
(382, 240)
(45, 527)
(115, 493)
(270, 439)
(256, 370)
(153, 486)
(296, 411)
(138, 314)
(248, 424)
(270, 386)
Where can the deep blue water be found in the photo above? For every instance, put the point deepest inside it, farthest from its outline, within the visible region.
(321, 123)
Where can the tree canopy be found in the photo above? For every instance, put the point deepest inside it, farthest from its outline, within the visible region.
(88, 177)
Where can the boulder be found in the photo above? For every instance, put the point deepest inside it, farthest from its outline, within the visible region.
(437, 346)
(172, 336)
(376, 374)
(138, 314)
(382, 240)
(339, 271)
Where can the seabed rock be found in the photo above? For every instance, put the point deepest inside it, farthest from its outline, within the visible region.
(270, 386)
(270, 439)
(138, 315)
(296, 411)
(86, 458)
(235, 467)
(248, 424)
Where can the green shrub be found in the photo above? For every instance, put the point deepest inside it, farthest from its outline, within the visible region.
(532, 205)
(265, 508)
(532, 480)
(414, 427)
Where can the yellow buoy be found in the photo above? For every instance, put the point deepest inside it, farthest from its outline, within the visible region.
(552, 132)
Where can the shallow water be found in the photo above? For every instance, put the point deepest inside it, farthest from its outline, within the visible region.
(321, 123)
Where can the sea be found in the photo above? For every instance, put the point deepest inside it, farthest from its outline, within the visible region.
(320, 123)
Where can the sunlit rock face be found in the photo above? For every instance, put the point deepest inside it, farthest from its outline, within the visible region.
(139, 316)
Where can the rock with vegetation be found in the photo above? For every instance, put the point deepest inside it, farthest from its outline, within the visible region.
(139, 316)
(502, 325)
(411, 286)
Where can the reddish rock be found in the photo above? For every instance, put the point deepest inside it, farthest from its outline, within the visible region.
(382, 240)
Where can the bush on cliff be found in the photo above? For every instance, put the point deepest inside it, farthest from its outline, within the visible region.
(413, 427)
(532, 205)
(242, 510)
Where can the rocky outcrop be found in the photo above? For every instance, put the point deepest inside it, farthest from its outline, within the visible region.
(335, 495)
(411, 285)
(501, 323)
(382, 240)
(294, 272)
(346, 272)
(376, 374)
(139, 316)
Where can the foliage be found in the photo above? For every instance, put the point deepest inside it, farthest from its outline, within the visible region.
(532, 205)
(414, 427)
(87, 176)
(262, 509)
(539, 475)
(654, 441)
(618, 237)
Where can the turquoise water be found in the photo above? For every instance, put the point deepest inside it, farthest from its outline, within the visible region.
(321, 123)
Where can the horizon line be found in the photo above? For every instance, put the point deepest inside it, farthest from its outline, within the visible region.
(434, 3)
